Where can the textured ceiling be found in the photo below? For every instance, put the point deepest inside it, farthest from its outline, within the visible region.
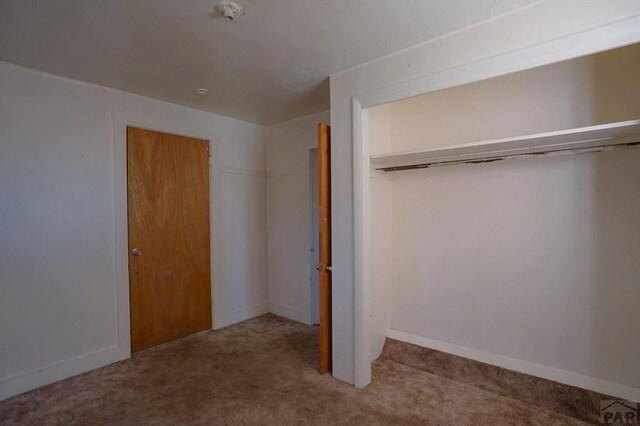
(270, 65)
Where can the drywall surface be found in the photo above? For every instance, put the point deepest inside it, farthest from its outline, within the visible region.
(540, 23)
(595, 89)
(533, 259)
(63, 307)
(378, 127)
(289, 214)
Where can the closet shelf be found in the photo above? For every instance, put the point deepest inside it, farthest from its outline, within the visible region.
(623, 134)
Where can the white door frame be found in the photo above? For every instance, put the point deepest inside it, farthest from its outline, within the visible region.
(596, 40)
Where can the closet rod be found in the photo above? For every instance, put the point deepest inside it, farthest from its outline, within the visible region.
(631, 145)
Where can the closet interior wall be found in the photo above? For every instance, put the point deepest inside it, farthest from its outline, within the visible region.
(528, 263)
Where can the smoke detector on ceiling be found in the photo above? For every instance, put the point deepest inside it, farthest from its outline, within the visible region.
(229, 9)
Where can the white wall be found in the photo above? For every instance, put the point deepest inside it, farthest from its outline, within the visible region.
(477, 51)
(594, 89)
(288, 192)
(378, 125)
(533, 260)
(379, 130)
(63, 292)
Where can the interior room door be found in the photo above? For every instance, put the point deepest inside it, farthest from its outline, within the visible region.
(324, 265)
(169, 244)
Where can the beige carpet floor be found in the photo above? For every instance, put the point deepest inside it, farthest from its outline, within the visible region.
(264, 372)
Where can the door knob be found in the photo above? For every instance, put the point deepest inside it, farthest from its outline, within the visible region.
(318, 266)
(136, 252)
(328, 268)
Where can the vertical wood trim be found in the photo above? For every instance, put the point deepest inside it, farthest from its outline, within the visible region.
(324, 226)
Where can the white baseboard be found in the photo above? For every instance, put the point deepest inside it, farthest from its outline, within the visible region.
(558, 375)
(24, 382)
(292, 313)
(240, 315)
(19, 383)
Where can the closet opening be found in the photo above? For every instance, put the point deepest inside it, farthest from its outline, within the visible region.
(499, 221)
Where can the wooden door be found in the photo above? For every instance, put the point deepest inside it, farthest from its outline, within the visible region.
(324, 265)
(169, 244)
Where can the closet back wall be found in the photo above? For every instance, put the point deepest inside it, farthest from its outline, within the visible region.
(596, 89)
(531, 263)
